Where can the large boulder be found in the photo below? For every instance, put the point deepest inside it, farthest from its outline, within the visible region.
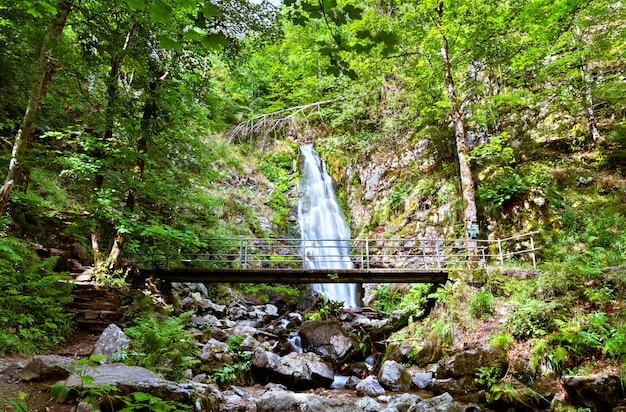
(131, 379)
(468, 360)
(286, 401)
(46, 367)
(441, 403)
(402, 403)
(327, 339)
(394, 377)
(296, 370)
(370, 387)
(215, 354)
(596, 392)
(112, 340)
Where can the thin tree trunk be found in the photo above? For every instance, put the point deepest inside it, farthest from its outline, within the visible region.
(591, 115)
(45, 70)
(149, 113)
(470, 215)
(112, 92)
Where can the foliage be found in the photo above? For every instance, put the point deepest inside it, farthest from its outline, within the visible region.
(482, 305)
(163, 345)
(502, 340)
(238, 372)
(32, 300)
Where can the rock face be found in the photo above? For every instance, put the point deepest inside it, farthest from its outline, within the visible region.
(596, 392)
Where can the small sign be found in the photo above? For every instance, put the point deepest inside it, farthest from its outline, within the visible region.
(473, 230)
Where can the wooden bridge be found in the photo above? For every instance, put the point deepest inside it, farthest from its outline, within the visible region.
(244, 260)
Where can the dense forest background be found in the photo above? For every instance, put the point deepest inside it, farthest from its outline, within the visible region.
(138, 126)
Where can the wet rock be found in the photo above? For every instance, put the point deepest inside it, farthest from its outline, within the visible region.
(46, 367)
(596, 392)
(112, 340)
(394, 377)
(369, 387)
(327, 339)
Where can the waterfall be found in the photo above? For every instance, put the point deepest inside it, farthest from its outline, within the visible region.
(324, 231)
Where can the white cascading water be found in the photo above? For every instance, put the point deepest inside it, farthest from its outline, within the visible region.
(325, 233)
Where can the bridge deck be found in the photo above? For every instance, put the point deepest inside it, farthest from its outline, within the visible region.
(269, 275)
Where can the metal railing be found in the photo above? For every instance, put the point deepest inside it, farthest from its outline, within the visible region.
(283, 253)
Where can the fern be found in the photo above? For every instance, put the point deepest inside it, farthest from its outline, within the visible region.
(32, 301)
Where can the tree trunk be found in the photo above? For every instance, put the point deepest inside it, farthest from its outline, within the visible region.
(149, 113)
(112, 92)
(45, 70)
(470, 215)
(591, 115)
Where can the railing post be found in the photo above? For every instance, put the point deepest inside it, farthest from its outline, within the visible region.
(245, 255)
(532, 250)
(367, 251)
(240, 252)
(500, 257)
(437, 251)
(423, 252)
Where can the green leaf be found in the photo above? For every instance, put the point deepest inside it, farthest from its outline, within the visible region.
(137, 5)
(159, 12)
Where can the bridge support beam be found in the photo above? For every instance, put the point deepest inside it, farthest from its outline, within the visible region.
(296, 276)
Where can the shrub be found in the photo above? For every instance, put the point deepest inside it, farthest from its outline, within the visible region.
(482, 305)
(32, 301)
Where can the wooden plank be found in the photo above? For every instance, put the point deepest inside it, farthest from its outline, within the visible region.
(299, 275)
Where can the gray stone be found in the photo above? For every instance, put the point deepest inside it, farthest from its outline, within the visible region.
(468, 361)
(402, 403)
(434, 404)
(285, 401)
(596, 392)
(296, 370)
(327, 339)
(130, 379)
(394, 377)
(421, 380)
(234, 402)
(369, 387)
(215, 354)
(112, 340)
(46, 367)
(367, 404)
(457, 386)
